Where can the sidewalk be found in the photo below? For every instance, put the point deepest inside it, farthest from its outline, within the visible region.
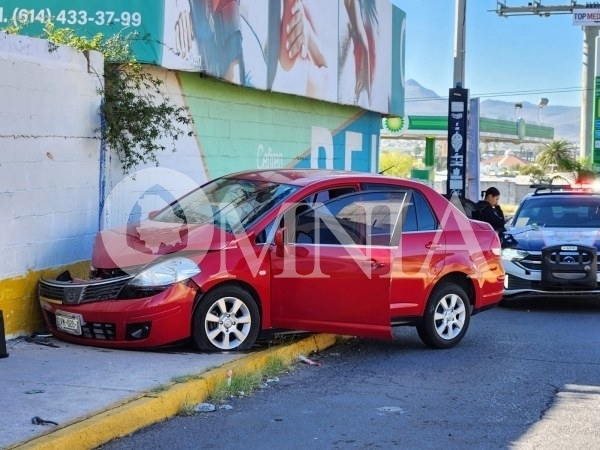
(96, 395)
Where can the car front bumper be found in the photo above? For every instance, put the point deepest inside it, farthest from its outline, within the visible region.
(521, 282)
(148, 322)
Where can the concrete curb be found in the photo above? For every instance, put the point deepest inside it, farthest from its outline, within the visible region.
(131, 415)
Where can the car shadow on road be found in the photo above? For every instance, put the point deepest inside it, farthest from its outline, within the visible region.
(563, 305)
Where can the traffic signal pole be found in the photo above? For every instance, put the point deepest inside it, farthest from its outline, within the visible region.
(588, 59)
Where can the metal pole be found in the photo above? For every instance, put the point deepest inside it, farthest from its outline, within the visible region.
(459, 43)
(587, 96)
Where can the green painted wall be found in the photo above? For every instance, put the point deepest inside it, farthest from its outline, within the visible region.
(240, 128)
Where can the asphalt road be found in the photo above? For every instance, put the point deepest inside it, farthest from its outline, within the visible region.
(523, 378)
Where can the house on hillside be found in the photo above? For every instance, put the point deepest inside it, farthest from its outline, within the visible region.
(503, 164)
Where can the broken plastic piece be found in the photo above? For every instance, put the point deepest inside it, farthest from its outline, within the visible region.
(308, 361)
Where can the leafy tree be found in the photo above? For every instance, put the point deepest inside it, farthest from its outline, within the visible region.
(136, 114)
(584, 171)
(557, 155)
(536, 174)
(395, 163)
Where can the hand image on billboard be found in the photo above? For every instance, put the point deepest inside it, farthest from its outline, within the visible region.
(295, 58)
(210, 32)
(362, 16)
(183, 34)
(298, 36)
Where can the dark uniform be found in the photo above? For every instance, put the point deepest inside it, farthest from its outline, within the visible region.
(492, 215)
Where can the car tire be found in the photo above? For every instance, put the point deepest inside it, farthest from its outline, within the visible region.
(226, 319)
(447, 317)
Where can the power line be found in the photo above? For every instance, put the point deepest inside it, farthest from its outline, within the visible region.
(505, 94)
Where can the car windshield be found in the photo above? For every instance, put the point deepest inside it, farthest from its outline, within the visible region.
(231, 204)
(559, 212)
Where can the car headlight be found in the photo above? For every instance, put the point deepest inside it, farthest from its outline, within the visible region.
(513, 254)
(166, 272)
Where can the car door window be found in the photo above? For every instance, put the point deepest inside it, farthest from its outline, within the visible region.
(311, 201)
(426, 220)
(328, 194)
(419, 216)
(362, 218)
(409, 221)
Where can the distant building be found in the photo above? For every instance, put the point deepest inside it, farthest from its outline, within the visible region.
(498, 165)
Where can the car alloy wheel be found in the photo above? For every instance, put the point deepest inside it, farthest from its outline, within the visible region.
(446, 317)
(227, 318)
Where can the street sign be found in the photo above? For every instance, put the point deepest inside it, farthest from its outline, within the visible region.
(586, 16)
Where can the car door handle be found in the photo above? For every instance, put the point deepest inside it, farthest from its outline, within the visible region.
(374, 263)
(433, 246)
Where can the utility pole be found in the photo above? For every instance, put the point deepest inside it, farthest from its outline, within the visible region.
(458, 109)
(459, 43)
(587, 96)
(463, 161)
(588, 60)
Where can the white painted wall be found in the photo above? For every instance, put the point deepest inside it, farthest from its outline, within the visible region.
(49, 154)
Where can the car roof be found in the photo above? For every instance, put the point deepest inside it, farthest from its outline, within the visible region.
(305, 177)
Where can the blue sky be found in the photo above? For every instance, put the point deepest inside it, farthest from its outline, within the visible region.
(519, 58)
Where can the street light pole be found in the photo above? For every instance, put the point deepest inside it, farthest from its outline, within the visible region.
(541, 104)
(458, 111)
(459, 43)
(518, 106)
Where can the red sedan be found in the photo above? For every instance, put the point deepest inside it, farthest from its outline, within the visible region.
(313, 250)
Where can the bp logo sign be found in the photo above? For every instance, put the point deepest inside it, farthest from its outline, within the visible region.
(394, 124)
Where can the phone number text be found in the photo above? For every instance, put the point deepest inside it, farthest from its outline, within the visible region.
(71, 17)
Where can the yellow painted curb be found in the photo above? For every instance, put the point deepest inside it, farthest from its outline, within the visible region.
(127, 417)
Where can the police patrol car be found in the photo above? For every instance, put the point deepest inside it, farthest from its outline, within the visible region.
(552, 244)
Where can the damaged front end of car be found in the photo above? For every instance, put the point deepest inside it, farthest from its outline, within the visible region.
(115, 308)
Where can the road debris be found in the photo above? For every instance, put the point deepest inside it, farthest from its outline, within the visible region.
(308, 361)
(36, 420)
(41, 340)
(205, 407)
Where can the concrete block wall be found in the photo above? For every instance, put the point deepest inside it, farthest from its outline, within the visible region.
(59, 185)
(49, 181)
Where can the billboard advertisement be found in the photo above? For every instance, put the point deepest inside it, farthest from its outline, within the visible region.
(586, 17)
(349, 52)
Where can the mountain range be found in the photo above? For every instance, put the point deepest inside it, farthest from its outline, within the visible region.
(565, 119)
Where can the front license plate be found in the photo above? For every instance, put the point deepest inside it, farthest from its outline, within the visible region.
(68, 322)
(569, 248)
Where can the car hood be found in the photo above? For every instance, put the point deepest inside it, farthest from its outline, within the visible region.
(529, 238)
(139, 244)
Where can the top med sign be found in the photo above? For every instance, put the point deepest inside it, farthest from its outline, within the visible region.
(586, 16)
